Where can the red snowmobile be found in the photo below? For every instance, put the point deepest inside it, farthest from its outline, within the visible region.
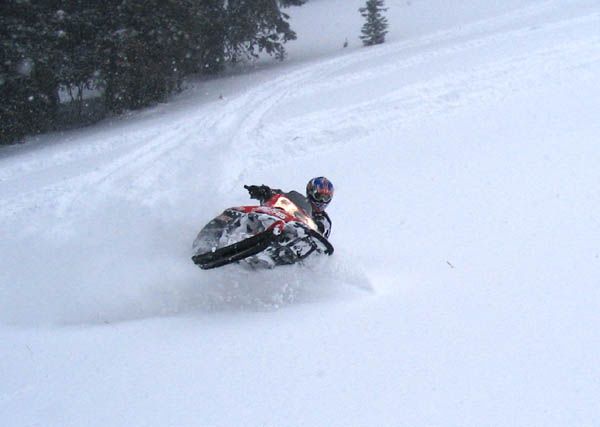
(279, 232)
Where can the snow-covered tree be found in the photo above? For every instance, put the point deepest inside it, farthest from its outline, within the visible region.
(375, 27)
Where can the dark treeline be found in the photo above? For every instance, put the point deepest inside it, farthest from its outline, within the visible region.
(129, 53)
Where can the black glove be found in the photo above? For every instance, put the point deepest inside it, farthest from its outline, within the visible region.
(259, 192)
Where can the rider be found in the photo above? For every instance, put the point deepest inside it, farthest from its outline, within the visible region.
(319, 192)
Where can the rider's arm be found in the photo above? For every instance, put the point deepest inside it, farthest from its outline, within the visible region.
(323, 222)
(262, 193)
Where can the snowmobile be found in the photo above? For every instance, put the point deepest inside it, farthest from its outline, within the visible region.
(279, 232)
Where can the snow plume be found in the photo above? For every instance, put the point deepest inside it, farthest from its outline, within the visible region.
(80, 278)
(236, 287)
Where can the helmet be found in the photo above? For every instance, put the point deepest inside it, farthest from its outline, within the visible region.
(319, 192)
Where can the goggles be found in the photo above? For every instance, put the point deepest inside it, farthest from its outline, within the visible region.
(322, 197)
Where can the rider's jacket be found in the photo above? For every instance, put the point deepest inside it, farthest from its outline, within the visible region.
(262, 193)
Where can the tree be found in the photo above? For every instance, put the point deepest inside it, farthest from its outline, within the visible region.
(28, 81)
(205, 32)
(76, 26)
(375, 27)
(255, 26)
(132, 53)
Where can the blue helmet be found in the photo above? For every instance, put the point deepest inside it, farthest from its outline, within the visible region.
(319, 192)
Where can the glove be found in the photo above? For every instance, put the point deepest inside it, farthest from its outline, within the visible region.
(259, 192)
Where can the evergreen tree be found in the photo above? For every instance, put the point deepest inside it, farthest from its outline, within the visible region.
(140, 51)
(375, 27)
(76, 26)
(207, 29)
(28, 59)
(133, 52)
(255, 26)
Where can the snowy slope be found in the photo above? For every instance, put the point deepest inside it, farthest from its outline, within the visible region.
(465, 286)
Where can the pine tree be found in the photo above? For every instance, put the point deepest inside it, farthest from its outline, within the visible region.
(132, 53)
(375, 27)
(255, 26)
(75, 25)
(28, 58)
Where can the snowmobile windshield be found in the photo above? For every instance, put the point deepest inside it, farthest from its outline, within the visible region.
(300, 201)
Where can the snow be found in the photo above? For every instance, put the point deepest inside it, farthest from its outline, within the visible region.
(465, 285)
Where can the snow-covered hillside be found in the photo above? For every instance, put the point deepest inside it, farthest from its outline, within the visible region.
(465, 287)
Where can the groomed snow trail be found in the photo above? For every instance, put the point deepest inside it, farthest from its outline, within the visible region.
(464, 288)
